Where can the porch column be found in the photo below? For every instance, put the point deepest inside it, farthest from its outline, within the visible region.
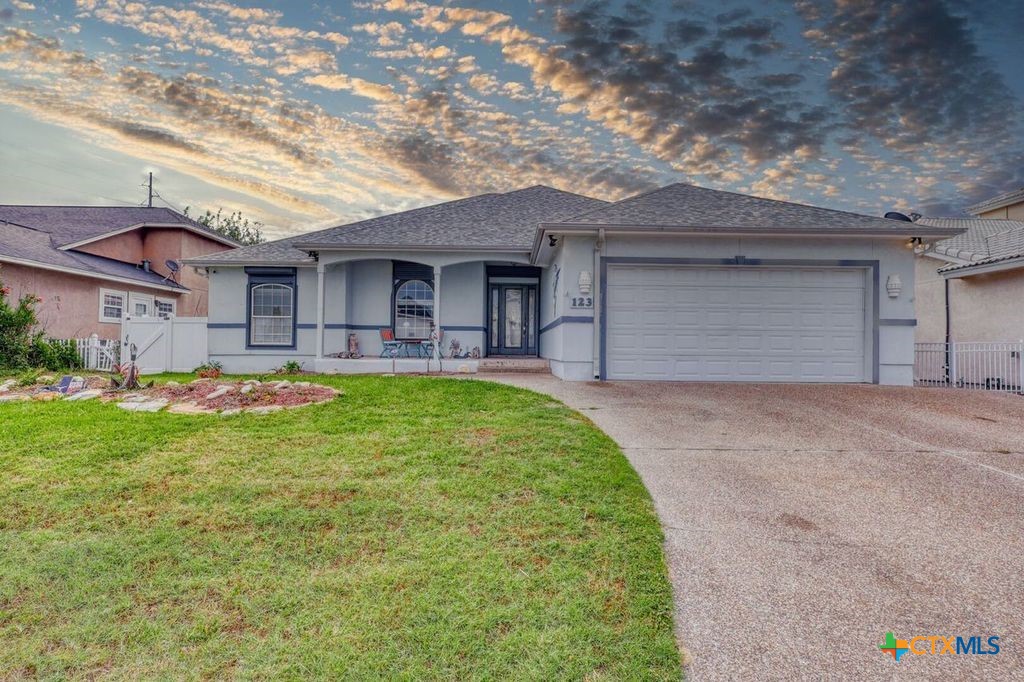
(437, 313)
(320, 267)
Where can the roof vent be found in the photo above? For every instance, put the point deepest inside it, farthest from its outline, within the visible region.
(894, 215)
(145, 265)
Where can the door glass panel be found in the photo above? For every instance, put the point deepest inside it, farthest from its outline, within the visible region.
(514, 318)
(494, 317)
(531, 313)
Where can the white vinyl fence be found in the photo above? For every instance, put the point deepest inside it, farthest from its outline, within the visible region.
(986, 366)
(174, 344)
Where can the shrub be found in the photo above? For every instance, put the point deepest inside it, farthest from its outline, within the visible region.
(16, 325)
(54, 354)
(209, 370)
(290, 367)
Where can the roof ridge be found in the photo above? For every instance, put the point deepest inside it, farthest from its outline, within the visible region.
(790, 203)
(620, 201)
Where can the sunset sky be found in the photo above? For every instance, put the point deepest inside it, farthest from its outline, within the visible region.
(309, 114)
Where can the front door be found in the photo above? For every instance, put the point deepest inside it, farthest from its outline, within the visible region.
(513, 319)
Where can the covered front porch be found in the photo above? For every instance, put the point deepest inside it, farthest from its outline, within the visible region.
(416, 313)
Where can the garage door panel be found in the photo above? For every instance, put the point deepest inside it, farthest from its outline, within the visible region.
(736, 323)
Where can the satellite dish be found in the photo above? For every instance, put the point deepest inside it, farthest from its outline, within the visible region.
(894, 215)
(172, 265)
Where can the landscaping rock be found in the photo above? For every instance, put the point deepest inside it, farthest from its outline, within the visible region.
(12, 397)
(223, 390)
(7, 385)
(232, 411)
(43, 397)
(45, 379)
(134, 398)
(265, 409)
(253, 382)
(246, 388)
(301, 384)
(201, 381)
(189, 408)
(172, 383)
(283, 384)
(86, 395)
(147, 406)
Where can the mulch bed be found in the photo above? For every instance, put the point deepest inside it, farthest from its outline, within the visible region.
(260, 395)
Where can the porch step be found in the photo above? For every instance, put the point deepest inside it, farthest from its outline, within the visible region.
(514, 365)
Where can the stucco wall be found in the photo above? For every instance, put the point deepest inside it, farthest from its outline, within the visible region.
(981, 308)
(1013, 212)
(930, 302)
(570, 345)
(70, 308)
(568, 337)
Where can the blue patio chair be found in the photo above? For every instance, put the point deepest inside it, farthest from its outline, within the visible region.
(392, 347)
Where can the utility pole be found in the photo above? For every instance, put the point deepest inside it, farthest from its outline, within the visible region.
(150, 204)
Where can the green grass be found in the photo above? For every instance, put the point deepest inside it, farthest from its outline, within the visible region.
(415, 528)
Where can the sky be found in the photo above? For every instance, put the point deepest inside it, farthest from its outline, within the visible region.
(305, 115)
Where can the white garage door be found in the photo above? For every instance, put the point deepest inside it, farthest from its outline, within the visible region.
(687, 323)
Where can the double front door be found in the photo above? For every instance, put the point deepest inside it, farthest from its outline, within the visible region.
(513, 319)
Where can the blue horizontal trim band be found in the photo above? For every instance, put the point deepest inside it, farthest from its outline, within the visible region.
(225, 325)
(897, 322)
(463, 328)
(344, 325)
(306, 325)
(567, 319)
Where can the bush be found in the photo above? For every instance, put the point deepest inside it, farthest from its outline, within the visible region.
(54, 354)
(209, 370)
(16, 325)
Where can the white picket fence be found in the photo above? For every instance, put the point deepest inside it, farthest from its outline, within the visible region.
(98, 354)
(174, 344)
(986, 366)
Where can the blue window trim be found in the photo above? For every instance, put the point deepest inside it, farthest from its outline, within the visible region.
(257, 276)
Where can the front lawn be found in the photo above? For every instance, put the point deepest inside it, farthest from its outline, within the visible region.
(414, 528)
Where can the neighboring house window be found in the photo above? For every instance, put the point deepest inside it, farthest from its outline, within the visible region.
(272, 308)
(111, 305)
(164, 307)
(414, 309)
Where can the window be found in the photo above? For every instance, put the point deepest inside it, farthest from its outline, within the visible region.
(272, 317)
(140, 305)
(111, 305)
(414, 309)
(164, 307)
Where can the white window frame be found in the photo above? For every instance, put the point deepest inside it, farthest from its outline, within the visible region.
(168, 301)
(134, 297)
(252, 342)
(124, 304)
(400, 332)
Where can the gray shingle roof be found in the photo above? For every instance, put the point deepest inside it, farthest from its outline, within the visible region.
(73, 224)
(986, 241)
(687, 206)
(497, 221)
(1007, 198)
(32, 245)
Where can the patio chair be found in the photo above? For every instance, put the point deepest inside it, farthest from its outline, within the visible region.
(392, 347)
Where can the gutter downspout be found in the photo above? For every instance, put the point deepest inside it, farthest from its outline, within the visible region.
(949, 351)
(598, 253)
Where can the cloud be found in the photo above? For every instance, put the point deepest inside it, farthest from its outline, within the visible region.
(337, 81)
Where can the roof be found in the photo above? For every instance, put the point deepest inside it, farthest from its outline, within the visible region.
(986, 241)
(500, 222)
(698, 208)
(70, 225)
(1006, 199)
(34, 248)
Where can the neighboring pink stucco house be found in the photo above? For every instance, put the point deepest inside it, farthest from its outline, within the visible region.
(971, 287)
(91, 265)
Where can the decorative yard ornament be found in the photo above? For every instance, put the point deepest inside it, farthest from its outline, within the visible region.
(353, 345)
(586, 282)
(894, 285)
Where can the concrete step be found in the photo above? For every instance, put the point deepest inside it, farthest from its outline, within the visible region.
(514, 365)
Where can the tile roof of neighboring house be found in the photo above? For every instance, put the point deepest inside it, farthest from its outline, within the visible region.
(488, 221)
(687, 206)
(23, 244)
(1007, 198)
(74, 224)
(986, 241)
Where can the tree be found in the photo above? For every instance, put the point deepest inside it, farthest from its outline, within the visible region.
(233, 226)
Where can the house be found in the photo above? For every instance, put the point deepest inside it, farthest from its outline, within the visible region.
(91, 265)
(1008, 206)
(971, 287)
(680, 283)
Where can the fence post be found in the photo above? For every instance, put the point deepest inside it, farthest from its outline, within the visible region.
(952, 364)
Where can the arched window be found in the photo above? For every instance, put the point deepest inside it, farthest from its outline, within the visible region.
(414, 309)
(271, 315)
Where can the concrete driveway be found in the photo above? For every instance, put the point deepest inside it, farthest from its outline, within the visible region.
(804, 522)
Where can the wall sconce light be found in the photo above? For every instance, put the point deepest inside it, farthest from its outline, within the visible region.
(586, 282)
(893, 285)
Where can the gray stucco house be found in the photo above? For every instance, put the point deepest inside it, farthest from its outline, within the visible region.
(680, 283)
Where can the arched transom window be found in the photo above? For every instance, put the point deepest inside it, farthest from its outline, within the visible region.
(414, 309)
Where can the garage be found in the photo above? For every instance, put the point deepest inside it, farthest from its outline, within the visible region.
(738, 323)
